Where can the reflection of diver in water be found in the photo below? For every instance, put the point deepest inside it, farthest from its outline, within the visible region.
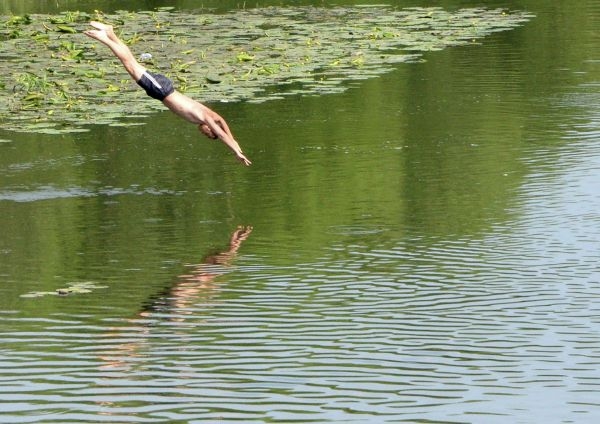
(197, 286)
(199, 282)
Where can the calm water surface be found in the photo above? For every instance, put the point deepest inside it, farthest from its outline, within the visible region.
(421, 248)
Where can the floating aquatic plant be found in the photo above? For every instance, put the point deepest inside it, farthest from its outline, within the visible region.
(72, 288)
(57, 80)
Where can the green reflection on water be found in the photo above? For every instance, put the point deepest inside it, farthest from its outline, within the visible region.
(425, 165)
(430, 150)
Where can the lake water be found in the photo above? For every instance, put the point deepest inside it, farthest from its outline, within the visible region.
(421, 248)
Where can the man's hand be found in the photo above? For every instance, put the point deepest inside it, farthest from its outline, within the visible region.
(214, 126)
(243, 159)
(205, 129)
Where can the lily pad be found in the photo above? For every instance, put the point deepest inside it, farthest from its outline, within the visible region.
(72, 288)
(54, 79)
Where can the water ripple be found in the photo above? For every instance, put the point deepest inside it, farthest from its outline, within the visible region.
(383, 323)
(49, 192)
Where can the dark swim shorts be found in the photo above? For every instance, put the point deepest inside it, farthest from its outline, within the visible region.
(157, 86)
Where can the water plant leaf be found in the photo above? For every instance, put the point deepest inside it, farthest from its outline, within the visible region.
(72, 288)
(54, 79)
(66, 29)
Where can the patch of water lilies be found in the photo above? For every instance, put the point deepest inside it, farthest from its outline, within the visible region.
(53, 79)
(72, 288)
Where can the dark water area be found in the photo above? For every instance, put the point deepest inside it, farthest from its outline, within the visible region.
(420, 248)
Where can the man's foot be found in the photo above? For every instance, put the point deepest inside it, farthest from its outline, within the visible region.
(102, 32)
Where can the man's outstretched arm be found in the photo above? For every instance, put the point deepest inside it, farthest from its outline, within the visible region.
(208, 121)
(220, 129)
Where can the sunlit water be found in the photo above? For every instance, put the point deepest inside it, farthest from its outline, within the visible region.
(424, 248)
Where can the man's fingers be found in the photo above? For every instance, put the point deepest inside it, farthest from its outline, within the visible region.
(205, 129)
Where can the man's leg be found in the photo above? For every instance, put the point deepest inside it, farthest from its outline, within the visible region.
(105, 34)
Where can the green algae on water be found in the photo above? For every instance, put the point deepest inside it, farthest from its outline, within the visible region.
(54, 79)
